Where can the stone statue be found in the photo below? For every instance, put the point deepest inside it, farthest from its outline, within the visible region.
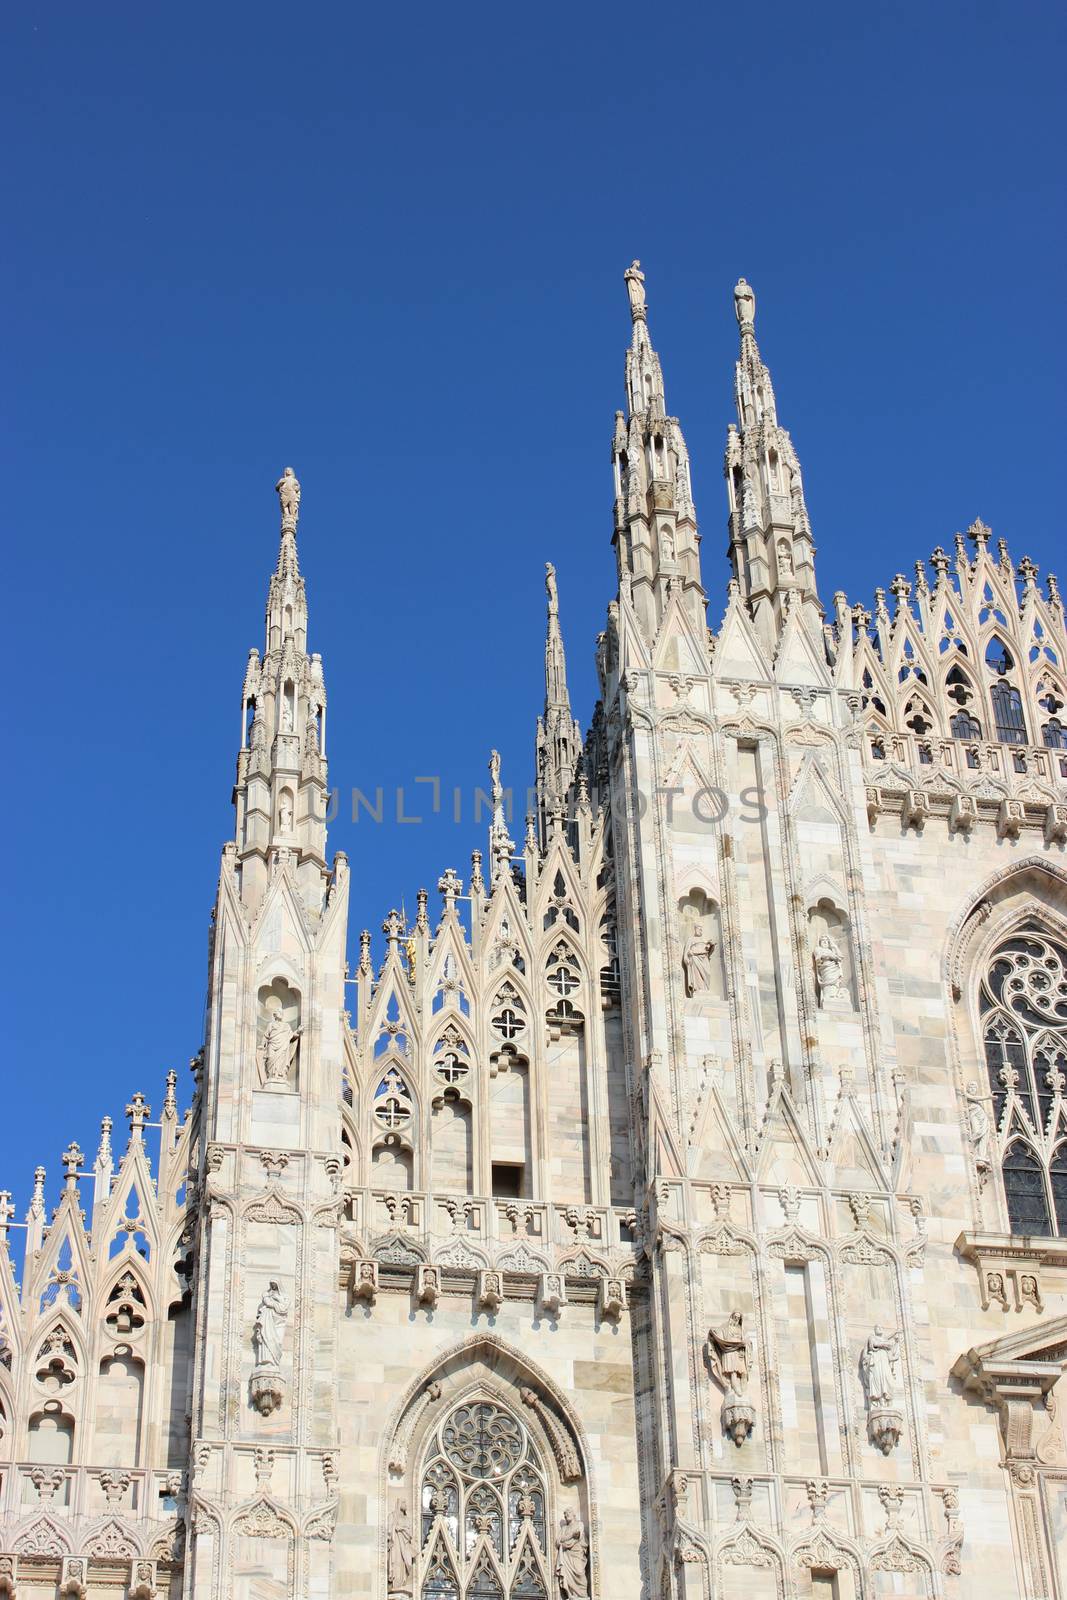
(744, 302)
(268, 1331)
(400, 1561)
(635, 288)
(285, 721)
(666, 545)
(550, 585)
(785, 560)
(1029, 1290)
(829, 971)
(279, 1045)
(285, 817)
(994, 1288)
(731, 1354)
(572, 1558)
(731, 1364)
(978, 1126)
(288, 491)
(696, 961)
(878, 1364)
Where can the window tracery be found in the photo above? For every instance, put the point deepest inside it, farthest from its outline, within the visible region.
(483, 1503)
(1023, 1006)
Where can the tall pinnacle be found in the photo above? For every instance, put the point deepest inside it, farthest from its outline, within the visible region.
(656, 537)
(771, 547)
(559, 738)
(281, 768)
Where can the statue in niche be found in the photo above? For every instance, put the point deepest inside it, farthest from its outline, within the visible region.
(730, 1356)
(285, 817)
(279, 1044)
(400, 1561)
(666, 544)
(267, 1386)
(879, 1361)
(878, 1365)
(731, 1353)
(635, 287)
(268, 1331)
(785, 561)
(288, 491)
(829, 972)
(978, 1129)
(696, 961)
(572, 1558)
(285, 724)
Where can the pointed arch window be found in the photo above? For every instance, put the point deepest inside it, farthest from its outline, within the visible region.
(1008, 717)
(1023, 1002)
(483, 1501)
(964, 726)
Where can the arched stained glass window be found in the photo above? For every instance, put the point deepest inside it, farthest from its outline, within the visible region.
(1024, 1031)
(484, 1509)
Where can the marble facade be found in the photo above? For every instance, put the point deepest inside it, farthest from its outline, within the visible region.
(680, 1208)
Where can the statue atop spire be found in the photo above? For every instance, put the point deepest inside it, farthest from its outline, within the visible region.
(635, 288)
(288, 492)
(550, 586)
(744, 303)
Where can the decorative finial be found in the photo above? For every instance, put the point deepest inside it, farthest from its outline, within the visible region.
(550, 586)
(364, 952)
(288, 491)
(635, 288)
(744, 303)
(422, 921)
(900, 589)
(37, 1201)
(104, 1158)
(138, 1112)
(449, 887)
(72, 1159)
(170, 1099)
(477, 880)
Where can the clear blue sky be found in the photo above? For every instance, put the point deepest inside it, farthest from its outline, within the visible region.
(386, 244)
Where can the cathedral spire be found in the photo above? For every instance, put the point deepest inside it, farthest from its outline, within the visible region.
(656, 537)
(281, 769)
(559, 738)
(771, 548)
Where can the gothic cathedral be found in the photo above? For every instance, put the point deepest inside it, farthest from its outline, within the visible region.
(679, 1210)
